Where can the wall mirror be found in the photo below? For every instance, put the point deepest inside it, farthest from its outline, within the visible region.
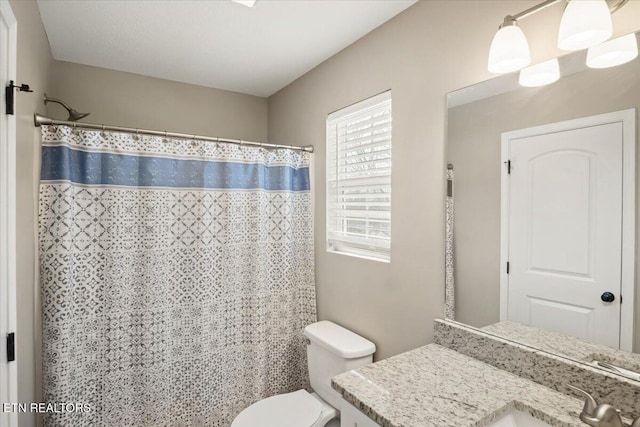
(542, 206)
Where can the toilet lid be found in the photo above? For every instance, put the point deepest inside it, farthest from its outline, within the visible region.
(297, 409)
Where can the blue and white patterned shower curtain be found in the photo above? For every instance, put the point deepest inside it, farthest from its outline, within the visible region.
(176, 277)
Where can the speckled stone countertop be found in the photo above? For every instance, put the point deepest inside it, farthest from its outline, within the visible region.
(564, 345)
(433, 386)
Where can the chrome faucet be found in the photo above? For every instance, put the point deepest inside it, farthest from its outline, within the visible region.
(600, 415)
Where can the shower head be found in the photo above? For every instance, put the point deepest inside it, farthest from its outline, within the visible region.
(73, 114)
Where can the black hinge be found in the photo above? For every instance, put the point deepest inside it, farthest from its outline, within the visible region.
(507, 267)
(8, 95)
(11, 347)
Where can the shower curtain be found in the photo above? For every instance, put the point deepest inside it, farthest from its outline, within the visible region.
(176, 277)
(449, 284)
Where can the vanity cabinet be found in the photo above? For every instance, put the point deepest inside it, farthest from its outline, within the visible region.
(351, 417)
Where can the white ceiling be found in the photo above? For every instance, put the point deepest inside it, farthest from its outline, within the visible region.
(214, 43)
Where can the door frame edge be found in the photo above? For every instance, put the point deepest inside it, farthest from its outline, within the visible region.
(8, 190)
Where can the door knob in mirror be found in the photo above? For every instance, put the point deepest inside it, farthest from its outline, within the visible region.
(608, 297)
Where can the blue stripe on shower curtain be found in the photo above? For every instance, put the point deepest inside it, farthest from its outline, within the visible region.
(62, 163)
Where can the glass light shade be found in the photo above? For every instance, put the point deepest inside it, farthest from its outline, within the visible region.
(540, 74)
(509, 50)
(614, 52)
(585, 23)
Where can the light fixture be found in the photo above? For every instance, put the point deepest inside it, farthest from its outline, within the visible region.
(540, 74)
(248, 3)
(509, 49)
(614, 52)
(585, 23)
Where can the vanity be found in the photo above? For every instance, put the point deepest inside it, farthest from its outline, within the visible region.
(471, 378)
(460, 391)
(542, 294)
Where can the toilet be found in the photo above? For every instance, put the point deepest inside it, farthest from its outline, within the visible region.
(331, 350)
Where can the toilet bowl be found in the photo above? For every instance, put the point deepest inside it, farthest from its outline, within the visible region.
(331, 350)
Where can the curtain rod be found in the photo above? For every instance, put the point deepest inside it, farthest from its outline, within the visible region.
(40, 120)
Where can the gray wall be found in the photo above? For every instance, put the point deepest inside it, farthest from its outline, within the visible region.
(432, 48)
(474, 149)
(126, 99)
(34, 62)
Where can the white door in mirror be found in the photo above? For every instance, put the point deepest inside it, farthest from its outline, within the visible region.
(565, 231)
(517, 418)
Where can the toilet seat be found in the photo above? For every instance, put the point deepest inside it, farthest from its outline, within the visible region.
(297, 409)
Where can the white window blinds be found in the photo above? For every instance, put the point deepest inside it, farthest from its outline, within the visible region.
(359, 179)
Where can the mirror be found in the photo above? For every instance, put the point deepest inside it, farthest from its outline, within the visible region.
(544, 192)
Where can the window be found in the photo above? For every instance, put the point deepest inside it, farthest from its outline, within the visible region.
(359, 179)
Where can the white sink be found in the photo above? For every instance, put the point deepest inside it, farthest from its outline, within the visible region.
(515, 418)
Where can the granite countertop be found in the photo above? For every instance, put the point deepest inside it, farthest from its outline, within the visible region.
(563, 345)
(433, 386)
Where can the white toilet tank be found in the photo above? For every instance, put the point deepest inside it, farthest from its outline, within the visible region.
(333, 350)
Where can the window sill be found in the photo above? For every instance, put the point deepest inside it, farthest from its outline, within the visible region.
(361, 256)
